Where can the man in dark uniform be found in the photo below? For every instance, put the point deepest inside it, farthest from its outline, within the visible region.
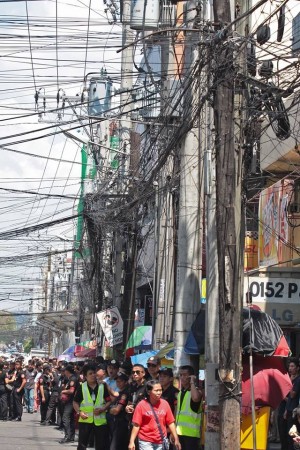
(44, 392)
(153, 366)
(118, 426)
(18, 391)
(137, 392)
(66, 397)
(11, 372)
(169, 391)
(3, 393)
(52, 406)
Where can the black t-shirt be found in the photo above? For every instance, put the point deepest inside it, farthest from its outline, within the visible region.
(122, 399)
(69, 384)
(2, 379)
(78, 397)
(20, 375)
(45, 381)
(292, 403)
(137, 392)
(170, 395)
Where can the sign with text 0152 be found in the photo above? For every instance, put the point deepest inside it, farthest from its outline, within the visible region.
(112, 325)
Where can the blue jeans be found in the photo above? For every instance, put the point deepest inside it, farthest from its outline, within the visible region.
(145, 445)
(28, 396)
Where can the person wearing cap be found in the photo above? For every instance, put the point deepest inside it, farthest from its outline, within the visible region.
(18, 391)
(101, 372)
(112, 370)
(153, 366)
(91, 401)
(66, 396)
(118, 425)
(170, 392)
(44, 391)
(10, 374)
(188, 413)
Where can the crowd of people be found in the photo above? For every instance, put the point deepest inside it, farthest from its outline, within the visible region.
(113, 405)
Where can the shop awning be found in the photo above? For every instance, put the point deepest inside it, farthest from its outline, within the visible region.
(57, 321)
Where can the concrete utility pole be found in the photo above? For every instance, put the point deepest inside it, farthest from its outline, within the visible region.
(212, 388)
(190, 230)
(128, 36)
(230, 235)
(164, 274)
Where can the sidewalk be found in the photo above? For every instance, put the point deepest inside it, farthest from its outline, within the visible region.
(30, 435)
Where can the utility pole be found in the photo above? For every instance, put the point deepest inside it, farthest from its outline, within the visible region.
(190, 229)
(128, 36)
(230, 236)
(212, 388)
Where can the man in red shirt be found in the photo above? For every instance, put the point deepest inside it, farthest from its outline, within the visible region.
(148, 413)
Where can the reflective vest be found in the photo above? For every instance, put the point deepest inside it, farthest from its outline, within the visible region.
(87, 405)
(187, 421)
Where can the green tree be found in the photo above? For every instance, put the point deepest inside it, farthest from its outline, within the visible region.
(28, 344)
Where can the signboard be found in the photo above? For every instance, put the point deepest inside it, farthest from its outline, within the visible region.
(278, 297)
(273, 223)
(112, 325)
(275, 290)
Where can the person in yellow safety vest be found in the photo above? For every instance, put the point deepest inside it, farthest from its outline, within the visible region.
(188, 413)
(91, 402)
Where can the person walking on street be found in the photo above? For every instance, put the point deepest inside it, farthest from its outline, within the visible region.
(91, 402)
(150, 420)
(44, 392)
(188, 414)
(30, 374)
(18, 392)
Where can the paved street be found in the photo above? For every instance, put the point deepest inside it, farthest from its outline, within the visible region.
(30, 435)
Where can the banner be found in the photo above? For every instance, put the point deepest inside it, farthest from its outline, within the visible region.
(273, 222)
(112, 325)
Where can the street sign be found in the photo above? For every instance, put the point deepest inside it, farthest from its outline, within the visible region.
(112, 325)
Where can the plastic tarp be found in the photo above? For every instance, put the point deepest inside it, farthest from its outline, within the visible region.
(267, 337)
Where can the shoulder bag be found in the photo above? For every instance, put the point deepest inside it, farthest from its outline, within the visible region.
(165, 440)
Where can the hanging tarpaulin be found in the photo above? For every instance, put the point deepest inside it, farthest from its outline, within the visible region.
(88, 174)
(112, 325)
(80, 206)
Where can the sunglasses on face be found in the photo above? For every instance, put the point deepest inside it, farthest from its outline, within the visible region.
(136, 371)
(151, 365)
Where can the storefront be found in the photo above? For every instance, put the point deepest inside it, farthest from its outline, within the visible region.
(276, 291)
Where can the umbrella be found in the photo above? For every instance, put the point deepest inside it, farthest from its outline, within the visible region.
(140, 339)
(87, 353)
(142, 358)
(271, 382)
(71, 352)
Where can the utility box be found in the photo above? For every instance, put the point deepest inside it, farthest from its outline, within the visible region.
(99, 96)
(144, 14)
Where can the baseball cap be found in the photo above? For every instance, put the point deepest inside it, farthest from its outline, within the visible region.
(114, 363)
(153, 360)
(122, 376)
(166, 371)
